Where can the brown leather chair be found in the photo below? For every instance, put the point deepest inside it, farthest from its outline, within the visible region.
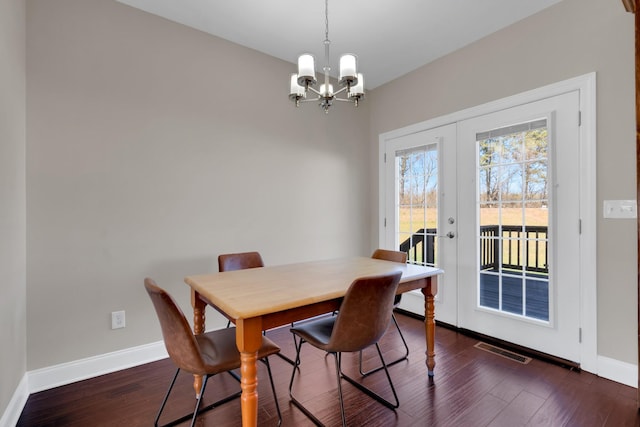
(241, 261)
(395, 256)
(362, 319)
(207, 354)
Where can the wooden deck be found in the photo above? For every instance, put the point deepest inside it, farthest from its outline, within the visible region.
(522, 295)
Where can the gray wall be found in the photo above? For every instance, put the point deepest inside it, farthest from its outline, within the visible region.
(13, 351)
(569, 39)
(152, 148)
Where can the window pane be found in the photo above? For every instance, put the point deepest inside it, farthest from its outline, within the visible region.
(537, 299)
(417, 192)
(513, 202)
(511, 182)
(535, 174)
(511, 214)
(536, 144)
(512, 299)
(489, 151)
(489, 291)
(512, 146)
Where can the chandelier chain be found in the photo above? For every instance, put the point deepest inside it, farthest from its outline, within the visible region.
(326, 20)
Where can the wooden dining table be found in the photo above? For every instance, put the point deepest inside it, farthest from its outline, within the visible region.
(263, 298)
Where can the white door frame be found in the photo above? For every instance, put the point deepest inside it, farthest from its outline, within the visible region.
(586, 85)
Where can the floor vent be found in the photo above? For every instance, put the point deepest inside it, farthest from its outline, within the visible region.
(503, 353)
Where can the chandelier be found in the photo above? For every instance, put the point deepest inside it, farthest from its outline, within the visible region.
(302, 82)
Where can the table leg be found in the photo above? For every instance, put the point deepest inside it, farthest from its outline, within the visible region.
(429, 292)
(199, 307)
(249, 340)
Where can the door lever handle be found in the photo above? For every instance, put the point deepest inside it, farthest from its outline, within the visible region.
(450, 235)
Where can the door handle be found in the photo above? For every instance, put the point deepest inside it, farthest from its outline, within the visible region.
(451, 234)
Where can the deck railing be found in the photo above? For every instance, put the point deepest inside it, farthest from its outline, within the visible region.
(420, 247)
(513, 239)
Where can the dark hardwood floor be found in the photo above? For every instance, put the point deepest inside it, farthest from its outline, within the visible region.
(472, 387)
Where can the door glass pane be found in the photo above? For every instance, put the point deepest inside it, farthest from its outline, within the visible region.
(417, 208)
(513, 199)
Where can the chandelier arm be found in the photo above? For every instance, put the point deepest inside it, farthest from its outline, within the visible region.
(314, 90)
(343, 99)
(342, 89)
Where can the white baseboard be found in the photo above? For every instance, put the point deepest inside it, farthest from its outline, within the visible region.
(16, 404)
(615, 370)
(66, 373)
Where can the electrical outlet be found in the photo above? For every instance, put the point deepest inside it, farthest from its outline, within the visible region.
(117, 319)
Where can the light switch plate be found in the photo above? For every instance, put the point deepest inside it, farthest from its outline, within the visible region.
(620, 209)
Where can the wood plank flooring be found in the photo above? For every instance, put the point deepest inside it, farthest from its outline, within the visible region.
(471, 388)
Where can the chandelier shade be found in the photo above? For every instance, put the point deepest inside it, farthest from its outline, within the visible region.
(306, 70)
(350, 80)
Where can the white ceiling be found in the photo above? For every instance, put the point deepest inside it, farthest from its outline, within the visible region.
(390, 38)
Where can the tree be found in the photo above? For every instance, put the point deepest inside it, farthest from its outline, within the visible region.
(489, 150)
(535, 168)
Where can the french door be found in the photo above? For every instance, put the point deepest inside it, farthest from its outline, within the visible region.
(421, 215)
(494, 200)
(519, 232)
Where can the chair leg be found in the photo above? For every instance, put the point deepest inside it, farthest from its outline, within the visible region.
(295, 365)
(406, 353)
(273, 389)
(286, 359)
(166, 397)
(294, 400)
(195, 411)
(370, 392)
(406, 347)
(282, 356)
(338, 360)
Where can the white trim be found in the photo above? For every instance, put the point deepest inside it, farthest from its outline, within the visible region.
(382, 194)
(588, 214)
(66, 373)
(13, 410)
(586, 85)
(618, 371)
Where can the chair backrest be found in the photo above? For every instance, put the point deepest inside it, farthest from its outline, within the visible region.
(239, 261)
(388, 255)
(364, 313)
(395, 256)
(178, 338)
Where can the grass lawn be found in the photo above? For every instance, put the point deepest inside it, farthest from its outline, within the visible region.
(413, 219)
